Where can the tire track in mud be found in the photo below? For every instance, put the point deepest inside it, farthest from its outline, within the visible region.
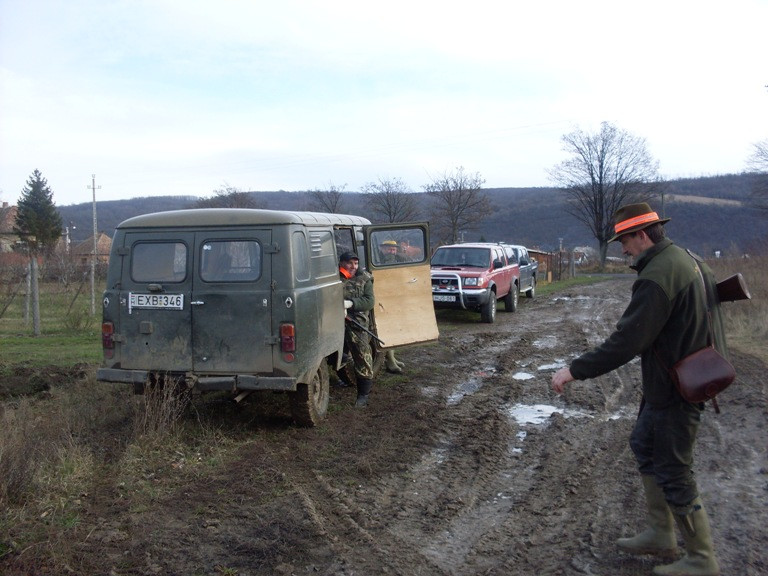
(477, 502)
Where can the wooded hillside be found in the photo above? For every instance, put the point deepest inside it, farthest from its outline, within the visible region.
(708, 214)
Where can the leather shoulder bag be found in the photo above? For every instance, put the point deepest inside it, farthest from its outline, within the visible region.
(701, 376)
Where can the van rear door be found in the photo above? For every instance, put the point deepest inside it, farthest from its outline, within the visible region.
(155, 288)
(231, 302)
(402, 284)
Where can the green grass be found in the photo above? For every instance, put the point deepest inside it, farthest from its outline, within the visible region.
(69, 334)
(59, 349)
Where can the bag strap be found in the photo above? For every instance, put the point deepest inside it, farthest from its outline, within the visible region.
(710, 334)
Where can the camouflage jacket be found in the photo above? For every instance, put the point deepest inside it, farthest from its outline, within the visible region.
(359, 289)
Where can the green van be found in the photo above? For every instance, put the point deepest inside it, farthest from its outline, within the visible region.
(243, 300)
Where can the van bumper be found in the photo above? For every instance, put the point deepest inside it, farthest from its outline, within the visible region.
(203, 383)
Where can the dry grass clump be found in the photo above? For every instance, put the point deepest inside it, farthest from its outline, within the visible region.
(44, 442)
(54, 445)
(58, 447)
(161, 408)
(50, 453)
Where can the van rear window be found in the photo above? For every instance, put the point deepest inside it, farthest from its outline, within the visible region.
(230, 261)
(159, 262)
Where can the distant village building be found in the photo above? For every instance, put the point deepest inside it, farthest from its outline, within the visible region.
(8, 238)
(84, 250)
(584, 254)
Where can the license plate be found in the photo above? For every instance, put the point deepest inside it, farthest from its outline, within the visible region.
(441, 298)
(158, 301)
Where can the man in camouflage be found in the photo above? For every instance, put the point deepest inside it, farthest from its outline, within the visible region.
(358, 302)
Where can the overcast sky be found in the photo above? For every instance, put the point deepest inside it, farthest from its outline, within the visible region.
(184, 97)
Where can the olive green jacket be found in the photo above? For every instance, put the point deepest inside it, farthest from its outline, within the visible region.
(665, 321)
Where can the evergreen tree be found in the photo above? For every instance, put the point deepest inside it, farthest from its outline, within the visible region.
(38, 222)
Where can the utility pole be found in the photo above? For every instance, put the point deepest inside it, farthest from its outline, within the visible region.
(93, 188)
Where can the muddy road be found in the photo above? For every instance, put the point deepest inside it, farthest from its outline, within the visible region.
(466, 464)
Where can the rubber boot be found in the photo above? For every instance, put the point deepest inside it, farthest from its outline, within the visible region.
(659, 538)
(391, 363)
(363, 389)
(699, 559)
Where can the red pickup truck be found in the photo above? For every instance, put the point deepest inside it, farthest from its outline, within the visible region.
(474, 276)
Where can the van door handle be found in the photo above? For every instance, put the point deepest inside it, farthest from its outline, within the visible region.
(196, 303)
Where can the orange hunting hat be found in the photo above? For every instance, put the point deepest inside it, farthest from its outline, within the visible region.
(634, 217)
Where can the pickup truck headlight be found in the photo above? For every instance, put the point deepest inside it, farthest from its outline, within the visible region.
(473, 281)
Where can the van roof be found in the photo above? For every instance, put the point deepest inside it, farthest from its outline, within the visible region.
(238, 217)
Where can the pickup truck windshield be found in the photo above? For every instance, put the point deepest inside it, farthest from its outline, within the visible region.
(477, 257)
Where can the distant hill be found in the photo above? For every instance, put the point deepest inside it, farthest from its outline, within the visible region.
(707, 214)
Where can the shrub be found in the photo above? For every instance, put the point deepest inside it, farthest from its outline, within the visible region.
(161, 408)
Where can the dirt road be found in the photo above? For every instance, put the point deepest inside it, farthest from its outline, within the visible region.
(467, 464)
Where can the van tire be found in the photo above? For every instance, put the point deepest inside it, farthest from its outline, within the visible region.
(309, 404)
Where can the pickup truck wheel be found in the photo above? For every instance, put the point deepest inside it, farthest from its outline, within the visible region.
(531, 292)
(511, 299)
(488, 311)
(309, 404)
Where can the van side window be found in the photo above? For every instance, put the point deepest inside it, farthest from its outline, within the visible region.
(300, 256)
(230, 261)
(159, 262)
(391, 247)
(321, 254)
(345, 241)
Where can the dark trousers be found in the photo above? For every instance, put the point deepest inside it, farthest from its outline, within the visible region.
(662, 441)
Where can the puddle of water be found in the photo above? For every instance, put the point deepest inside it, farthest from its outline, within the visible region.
(545, 342)
(570, 298)
(532, 414)
(465, 388)
(470, 386)
(556, 365)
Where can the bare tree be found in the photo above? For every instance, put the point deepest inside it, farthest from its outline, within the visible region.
(327, 200)
(229, 197)
(758, 163)
(605, 171)
(391, 200)
(458, 204)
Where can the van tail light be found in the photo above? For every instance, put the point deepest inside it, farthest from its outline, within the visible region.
(288, 341)
(107, 339)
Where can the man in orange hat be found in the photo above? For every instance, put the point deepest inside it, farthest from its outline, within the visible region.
(665, 321)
